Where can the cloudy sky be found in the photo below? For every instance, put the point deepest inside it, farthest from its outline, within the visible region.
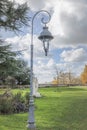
(68, 49)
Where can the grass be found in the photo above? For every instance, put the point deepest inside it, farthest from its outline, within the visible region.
(58, 109)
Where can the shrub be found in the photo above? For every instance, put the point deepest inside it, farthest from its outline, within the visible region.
(18, 97)
(10, 103)
(18, 103)
(5, 105)
(27, 98)
(27, 101)
(18, 107)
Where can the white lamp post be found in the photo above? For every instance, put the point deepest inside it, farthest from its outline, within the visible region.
(45, 37)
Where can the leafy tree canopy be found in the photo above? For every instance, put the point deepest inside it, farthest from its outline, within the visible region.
(13, 16)
(23, 73)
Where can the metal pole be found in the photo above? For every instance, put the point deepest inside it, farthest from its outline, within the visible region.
(31, 120)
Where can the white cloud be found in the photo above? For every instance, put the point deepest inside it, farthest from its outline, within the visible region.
(69, 19)
(19, 42)
(44, 70)
(77, 55)
(50, 63)
(37, 4)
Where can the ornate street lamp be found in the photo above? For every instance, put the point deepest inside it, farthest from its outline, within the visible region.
(45, 37)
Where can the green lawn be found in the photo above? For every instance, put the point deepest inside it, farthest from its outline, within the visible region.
(58, 109)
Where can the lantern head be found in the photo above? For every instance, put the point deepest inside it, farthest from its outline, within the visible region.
(45, 37)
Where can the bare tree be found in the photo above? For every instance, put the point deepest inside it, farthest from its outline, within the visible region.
(58, 75)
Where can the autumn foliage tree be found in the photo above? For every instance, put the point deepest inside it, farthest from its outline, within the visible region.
(84, 76)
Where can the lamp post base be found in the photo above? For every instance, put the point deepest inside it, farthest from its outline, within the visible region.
(31, 127)
(31, 121)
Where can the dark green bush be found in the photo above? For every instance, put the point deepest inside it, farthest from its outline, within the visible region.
(27, 98)
(13, 103)
(5, 105)
(18, 97)
(18, 103)
(18, 107)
